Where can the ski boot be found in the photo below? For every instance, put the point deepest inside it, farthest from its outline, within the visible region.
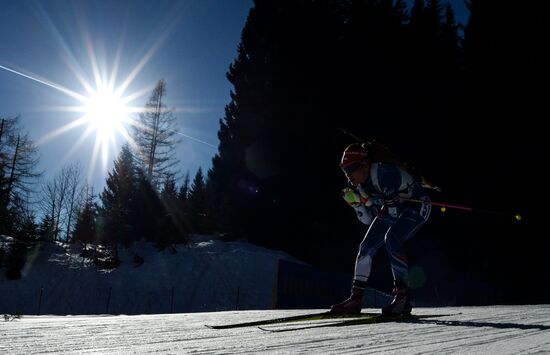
(401, 304)
(352, 305)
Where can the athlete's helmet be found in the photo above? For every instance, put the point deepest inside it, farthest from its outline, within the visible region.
(354, 155)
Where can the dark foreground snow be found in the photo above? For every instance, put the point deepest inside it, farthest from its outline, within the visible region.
(476, 330)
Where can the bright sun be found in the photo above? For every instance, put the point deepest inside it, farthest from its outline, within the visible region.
(106, 112)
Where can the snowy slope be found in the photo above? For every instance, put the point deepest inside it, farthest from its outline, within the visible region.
(476, 330)
(206, 275)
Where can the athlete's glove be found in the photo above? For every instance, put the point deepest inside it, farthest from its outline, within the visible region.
(356, 198)
(351, 197)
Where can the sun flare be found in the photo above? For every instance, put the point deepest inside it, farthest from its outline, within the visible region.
(106, 112)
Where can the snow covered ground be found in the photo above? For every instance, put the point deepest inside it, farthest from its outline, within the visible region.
(209, 275)
(206, 275)
(476, 330)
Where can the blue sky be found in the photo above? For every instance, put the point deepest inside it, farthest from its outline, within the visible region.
(188, 43)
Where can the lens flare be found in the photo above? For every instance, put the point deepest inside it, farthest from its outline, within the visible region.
(105, 112)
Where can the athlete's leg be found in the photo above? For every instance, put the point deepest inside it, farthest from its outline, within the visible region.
(374, 239)
(409, 222)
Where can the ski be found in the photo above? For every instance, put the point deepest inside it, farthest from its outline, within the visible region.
(303, 317)
(367, 319)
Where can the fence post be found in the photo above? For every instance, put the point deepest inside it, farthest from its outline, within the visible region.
(237, 300)
(40, 300)
(172, 301)
(108, 300)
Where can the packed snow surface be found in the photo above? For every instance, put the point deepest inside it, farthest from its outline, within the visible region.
(468, 330)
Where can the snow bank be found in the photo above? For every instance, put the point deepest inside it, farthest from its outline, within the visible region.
(206, 275)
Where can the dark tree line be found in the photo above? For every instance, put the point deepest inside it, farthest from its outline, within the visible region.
(140, 202)
(130, 209)
(463, 104)
(18, 179)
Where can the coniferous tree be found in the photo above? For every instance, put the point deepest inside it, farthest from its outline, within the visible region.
(169, 189)
(15, 258)
(18, 169)
(426, 31)
(75, 189)
(505, 46)
(183, 193)
(196, 199)
(118, 199)
(451, 39)
(151, 221)
(29, 228)
(278, 79)
(46, 228)
(8, 127)
(85, 227)
(169, 195)
(212, 209)
(401, 12)
(24, 223)
(155, 137)
(434, 16)
(184, 217)
(146, 211)
(173, 222)
(417, 22)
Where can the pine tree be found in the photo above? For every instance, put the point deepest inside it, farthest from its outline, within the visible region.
(174, 221)
(28, 229)
(505, 64)
(169, 192)
(18, 169)
(417, 14)
(434, 18)
(183, 193)
(197, 199)
(450, 41)
(212, 207)
(117, 200)
(85, 228)
(46, 228)
(146, 211)
(155, 137)
(184, 217)
(278, 79)
(426, 30)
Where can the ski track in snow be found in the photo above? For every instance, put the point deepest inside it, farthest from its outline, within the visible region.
(476, 330)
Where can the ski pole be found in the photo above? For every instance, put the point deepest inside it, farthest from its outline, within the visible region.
(444, 206)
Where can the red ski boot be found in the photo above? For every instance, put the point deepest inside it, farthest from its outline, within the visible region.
(350, 306)
(400, 305)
